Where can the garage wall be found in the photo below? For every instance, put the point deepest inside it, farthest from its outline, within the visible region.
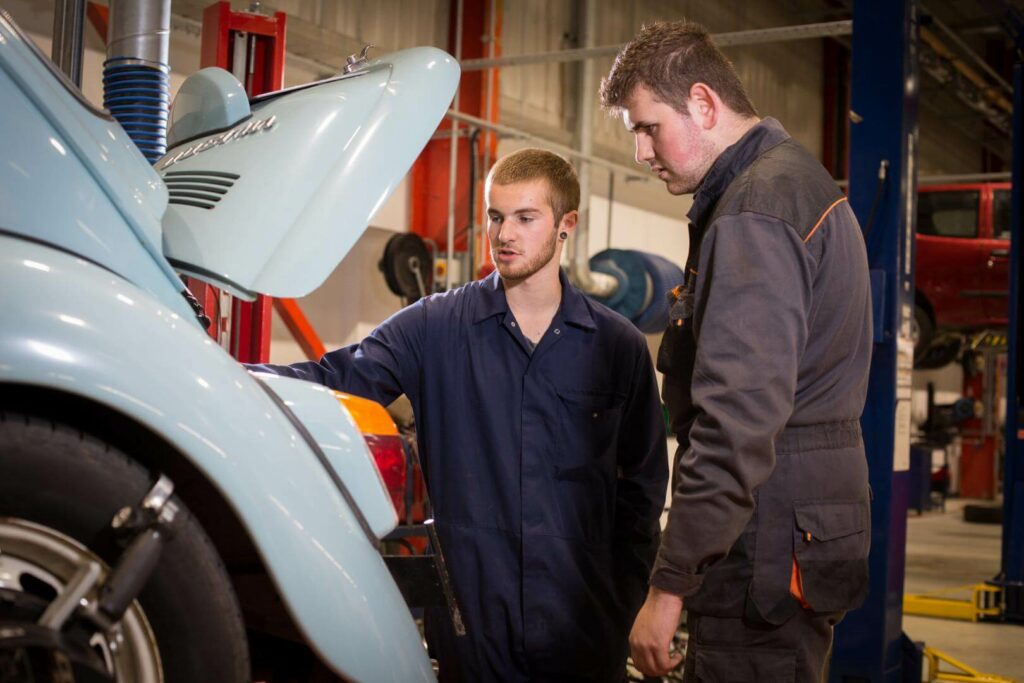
(534, 92)
(944, 147)
(784, 80)
(540, 97)
(352, 301)
(387, 24)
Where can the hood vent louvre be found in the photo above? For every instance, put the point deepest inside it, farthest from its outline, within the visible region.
(201, 189)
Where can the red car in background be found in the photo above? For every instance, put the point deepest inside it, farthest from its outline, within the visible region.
(963, 261)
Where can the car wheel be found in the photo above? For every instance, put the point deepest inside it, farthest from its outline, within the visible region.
(922, 331)
(59, 491)
(941, 353)
(983, 514)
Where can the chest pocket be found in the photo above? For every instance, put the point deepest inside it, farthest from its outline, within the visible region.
(589, 422)
(584, 465)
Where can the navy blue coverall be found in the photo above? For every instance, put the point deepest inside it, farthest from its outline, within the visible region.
(547, 472)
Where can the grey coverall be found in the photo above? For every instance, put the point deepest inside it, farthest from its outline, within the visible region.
(766, 368)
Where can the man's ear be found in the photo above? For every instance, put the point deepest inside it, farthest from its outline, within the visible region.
(704, 105)
(568, 222)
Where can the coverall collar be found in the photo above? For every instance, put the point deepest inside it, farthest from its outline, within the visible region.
(731, 162)
(573, 309)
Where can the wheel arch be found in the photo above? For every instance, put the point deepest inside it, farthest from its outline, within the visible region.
(76, 329)
(221, 522)
(921, 300)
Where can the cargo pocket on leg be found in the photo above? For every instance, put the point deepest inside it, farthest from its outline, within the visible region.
(831, 545)
(743, 665)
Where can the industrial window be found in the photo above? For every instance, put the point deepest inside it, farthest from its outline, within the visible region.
(1001, 214)
(948, 214)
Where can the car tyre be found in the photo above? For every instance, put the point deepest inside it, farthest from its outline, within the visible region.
(924, 332)
(941, 353)
(60, 488)
(983, 514)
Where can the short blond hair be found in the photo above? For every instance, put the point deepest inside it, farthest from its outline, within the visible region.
(533, 163)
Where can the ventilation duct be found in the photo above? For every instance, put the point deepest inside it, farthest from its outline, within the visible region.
(135, 74)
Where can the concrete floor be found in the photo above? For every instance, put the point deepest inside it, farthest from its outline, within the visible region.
(943, 552)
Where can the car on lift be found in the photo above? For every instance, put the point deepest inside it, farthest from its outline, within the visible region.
(164, 514)
(962, 266)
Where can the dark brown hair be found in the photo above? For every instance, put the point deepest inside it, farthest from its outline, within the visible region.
(533, 163)
(667, 58)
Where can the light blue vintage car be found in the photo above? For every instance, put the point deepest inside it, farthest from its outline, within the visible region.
(164, 514)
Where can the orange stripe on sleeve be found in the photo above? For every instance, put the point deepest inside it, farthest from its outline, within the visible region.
(822, 219)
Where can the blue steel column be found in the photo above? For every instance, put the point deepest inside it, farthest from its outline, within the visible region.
(1012, 575)
(868, 644)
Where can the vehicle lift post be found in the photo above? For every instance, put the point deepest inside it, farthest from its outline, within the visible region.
(252, 47)
(869, 642)
(1011, 578)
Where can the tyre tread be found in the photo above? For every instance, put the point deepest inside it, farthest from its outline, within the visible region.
(218, 646)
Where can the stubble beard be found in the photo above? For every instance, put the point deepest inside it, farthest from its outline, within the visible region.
(518, 273)
(689, 182)
(682, 185)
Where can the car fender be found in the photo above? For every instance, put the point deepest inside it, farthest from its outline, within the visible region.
(341, 443)
(72, 326)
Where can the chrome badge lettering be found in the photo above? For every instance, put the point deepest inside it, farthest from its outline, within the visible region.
(245, 130)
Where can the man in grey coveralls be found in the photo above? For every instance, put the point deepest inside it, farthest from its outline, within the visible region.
(765, 366)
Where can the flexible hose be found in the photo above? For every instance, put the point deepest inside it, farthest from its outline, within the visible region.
(137, 95)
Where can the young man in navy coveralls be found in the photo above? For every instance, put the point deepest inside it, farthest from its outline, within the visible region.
(765, 367)
(542, 441)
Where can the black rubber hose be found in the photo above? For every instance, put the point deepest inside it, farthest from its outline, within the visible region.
(474, 144)
(883, 173)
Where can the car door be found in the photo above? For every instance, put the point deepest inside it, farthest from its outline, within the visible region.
(996, 238)
(950, 261)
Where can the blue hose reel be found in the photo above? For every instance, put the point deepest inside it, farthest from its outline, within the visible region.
(644, 281)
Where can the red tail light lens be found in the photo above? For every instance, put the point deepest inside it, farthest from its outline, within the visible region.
(384, 442)
(389, 455)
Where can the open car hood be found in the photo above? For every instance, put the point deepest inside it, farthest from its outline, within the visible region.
(272, 203)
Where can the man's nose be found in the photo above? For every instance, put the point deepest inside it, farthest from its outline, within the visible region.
(506, 233)
(644, 149)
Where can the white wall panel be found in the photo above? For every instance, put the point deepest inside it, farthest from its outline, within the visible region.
(387, 24)
(784, 80)
(535, 91)
(352, 301)
(633, 227)
(944, 148)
